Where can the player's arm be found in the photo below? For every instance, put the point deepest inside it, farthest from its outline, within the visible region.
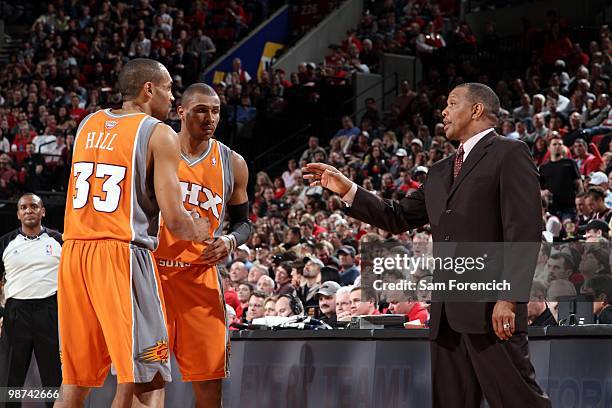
(165, 150)
(238, 205)
(238, 211)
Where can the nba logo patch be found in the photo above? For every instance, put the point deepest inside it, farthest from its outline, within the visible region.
(214, 161)
(49, 249)
(109, 124)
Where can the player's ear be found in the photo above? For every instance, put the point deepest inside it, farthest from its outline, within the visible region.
(148, 88)
(181, 111)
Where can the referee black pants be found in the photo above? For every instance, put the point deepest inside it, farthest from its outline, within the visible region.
(30, 325)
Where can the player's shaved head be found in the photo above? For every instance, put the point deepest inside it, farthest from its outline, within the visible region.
(138, 72)
(200, 111)
(199, 88)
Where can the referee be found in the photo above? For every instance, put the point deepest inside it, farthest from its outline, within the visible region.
(29, 264)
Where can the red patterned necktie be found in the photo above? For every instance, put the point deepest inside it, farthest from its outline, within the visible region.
(458, 162)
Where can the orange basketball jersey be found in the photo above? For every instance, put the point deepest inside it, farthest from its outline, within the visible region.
(107, 194)
(206, 183)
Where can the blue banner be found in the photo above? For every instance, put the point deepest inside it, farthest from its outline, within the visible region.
(256, 51)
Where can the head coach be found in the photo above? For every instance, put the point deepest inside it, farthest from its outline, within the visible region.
(488, 191)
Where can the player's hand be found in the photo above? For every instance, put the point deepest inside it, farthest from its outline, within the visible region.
(503, 319)
(320, 174)
(202, 227)
(216, 251)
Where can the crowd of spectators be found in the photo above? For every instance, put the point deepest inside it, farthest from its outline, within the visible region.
(558, 104)
(69, 63)
(68, 68)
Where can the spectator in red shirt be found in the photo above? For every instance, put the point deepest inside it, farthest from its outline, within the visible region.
(334, 56)
(409, 183)
(437, 18)
(351, 39)
(76, 112)
(8, 177)
(557, 46)
(160, 41)
(361, 308)
(279, 188)
(318, 230)
(578, 57)
(23, 136)
(588, 163)
(413, 310)
(415, 17)
(231, 298)
(540, 148)
(429, 41)
(199, 15)
(237, 17)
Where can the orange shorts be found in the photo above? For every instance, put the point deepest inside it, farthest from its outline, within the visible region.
(198, 331)
(111, 309)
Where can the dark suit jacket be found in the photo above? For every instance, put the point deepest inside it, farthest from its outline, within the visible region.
(495, 198)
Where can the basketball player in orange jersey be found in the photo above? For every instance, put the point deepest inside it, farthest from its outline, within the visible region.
(111, 308)
(214, 181)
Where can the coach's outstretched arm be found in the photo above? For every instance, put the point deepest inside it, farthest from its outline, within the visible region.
(238, 211)
(164, 153)
(389, 215)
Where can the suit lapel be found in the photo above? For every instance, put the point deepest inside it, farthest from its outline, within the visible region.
(477, 153)
(447, 174)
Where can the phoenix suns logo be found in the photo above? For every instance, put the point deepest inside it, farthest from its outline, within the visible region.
(109, 124)
(155, 353)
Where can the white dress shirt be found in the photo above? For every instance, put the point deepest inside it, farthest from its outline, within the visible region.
(471, 142)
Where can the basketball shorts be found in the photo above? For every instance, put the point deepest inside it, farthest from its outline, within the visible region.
(111, 309)
(197, 326)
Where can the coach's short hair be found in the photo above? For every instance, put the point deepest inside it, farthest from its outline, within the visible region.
(136, 73)
(198, 88)
(481, 93)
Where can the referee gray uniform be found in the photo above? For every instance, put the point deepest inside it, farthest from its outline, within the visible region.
(28, 268)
